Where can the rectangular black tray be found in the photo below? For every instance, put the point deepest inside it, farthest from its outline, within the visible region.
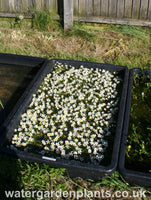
(133, 177)
(23, 69)
(74, 168)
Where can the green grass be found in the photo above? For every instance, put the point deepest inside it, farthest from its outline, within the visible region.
(114, 44)
(133, 31)
(117, 182)
(23, 175)
(17, 175)
(43, 21)
(79, 30)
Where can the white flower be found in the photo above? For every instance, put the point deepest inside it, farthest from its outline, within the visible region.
(21, 17)
(71, 112)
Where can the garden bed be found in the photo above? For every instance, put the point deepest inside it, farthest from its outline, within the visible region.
(135, 154)
(16, 74)
(72, 117)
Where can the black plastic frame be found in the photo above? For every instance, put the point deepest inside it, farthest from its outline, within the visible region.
(74, 168)
(14, 59)
(26, 61)
(133, 177)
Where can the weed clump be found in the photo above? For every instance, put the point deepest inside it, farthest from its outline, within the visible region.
(43, 21)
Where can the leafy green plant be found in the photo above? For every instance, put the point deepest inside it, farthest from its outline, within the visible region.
(17, 21)
(43, 21)
(139, 138)
(1, 104)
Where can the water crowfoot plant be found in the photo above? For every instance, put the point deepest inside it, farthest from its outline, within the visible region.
(71, 114)
(139, 137)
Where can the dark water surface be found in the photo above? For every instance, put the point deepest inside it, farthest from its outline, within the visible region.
(13, 82)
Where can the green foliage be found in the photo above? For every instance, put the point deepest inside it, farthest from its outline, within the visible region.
(132, 31)
(15, 174)
(1, 104)
(40, 177)
(75, 56)
(118, 183)
(115, 181)
(139, 138)
(79, 30)
(43, 21)
(17, 22)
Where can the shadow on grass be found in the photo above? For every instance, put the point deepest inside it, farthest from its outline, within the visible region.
(10, 177)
